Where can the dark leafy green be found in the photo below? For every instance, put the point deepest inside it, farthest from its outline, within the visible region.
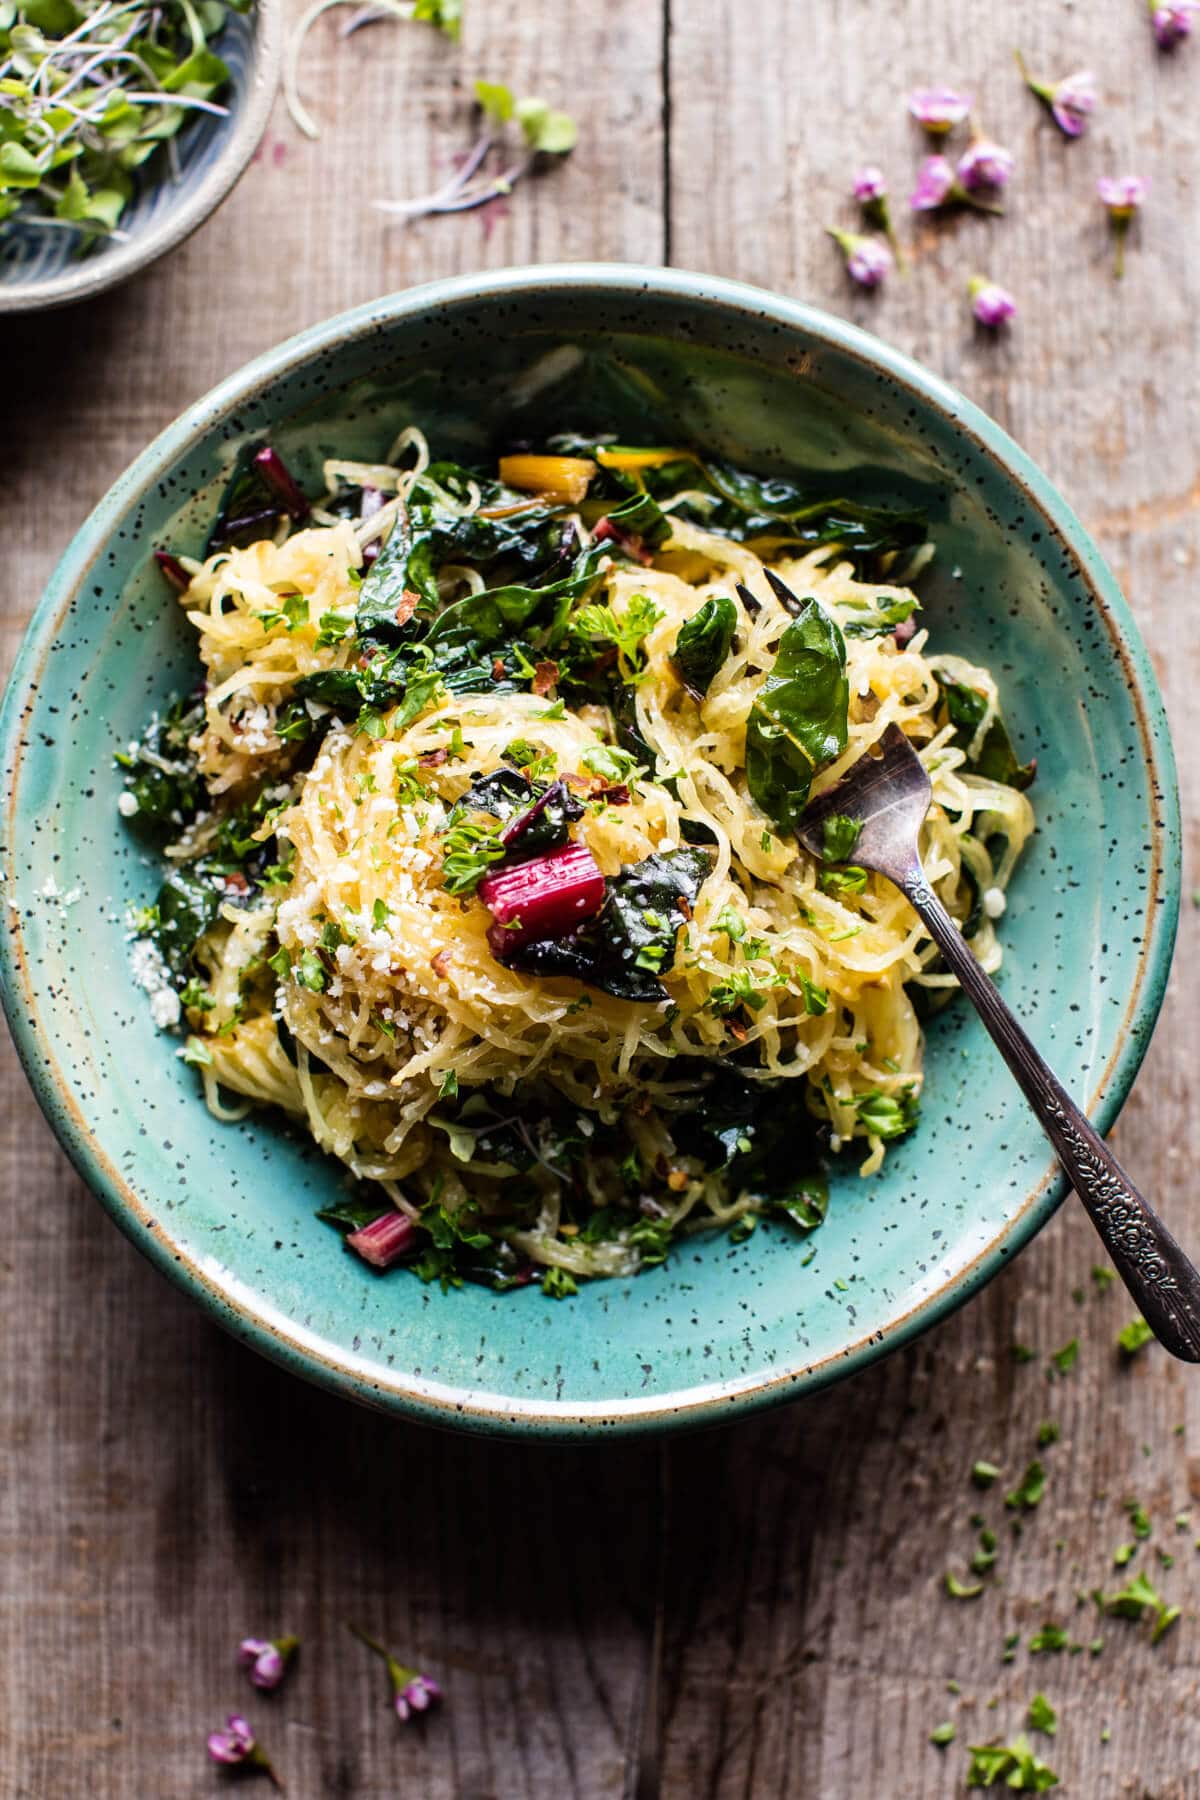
(996, 759)
(187, 906)
(798, 721)
(631, 940)
(763, 1138)
(250, 506)
(172, 795)
(352, 1213)
(704, 642)
(883, 615)
(642, 517)
(428, 534)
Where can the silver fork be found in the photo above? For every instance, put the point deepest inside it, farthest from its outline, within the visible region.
(889, 794)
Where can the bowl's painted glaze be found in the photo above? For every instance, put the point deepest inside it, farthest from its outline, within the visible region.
(227, 1211)
(40, 266)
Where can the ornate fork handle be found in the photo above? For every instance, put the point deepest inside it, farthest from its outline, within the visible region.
(1160, 1277)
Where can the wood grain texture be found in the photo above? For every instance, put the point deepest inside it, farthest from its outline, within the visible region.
(754, 1613)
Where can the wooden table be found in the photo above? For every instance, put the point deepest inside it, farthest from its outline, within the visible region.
(758, 1612)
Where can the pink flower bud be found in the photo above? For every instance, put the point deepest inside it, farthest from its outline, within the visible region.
(234, 1745)
(1172, 23)
(938, 109)
(1072, 101)
(869, 185)
(936, 183)
(1121, 194)
(868, 259)
(991, 304)
(266, 1659)
(984, 164)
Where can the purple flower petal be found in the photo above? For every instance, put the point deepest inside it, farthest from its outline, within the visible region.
(422, 1692)
(1121, 194)
(1173, 23)
(869, 185)
(268, 1670)
(869, 263)
(233, 1745)
(991, 304)
(935, 184)
(1073, 101)
(985, 164)
(401, 1705)
(250, 1649)
(938, 109)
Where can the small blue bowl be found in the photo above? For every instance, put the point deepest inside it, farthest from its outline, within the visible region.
(660, 356)
(40, 267)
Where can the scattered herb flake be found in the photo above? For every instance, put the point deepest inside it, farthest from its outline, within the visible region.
(1029, 1490)
(1134, 1337)
(1042, 1716)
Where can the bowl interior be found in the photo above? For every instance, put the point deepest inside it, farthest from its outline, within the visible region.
(228, 1209)
(43, 266)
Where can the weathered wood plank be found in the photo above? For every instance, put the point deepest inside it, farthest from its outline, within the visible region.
(808, 1642)
(165, 1491)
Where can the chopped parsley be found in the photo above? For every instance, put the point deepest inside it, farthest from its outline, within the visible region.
(1042, 1716)
(559, 1284)
(1134, 1337)
(961, 1590)
(1029, 1490)
(1050, 1639)
(888, 1115)
(941, 1735)
(469, 848)
(1016, 1765)
(1064, 1360)
(601, 624)
(839, 835)
(1135, 1600)
(984, 1473)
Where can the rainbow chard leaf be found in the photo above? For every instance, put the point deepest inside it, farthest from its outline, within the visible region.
(799, 718)
(631, 941)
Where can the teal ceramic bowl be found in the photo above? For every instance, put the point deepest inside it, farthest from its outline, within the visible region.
(227, 1211)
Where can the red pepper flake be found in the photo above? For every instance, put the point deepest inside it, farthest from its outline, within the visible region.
(684, 905)
(677, 1180)
(498, 669)
(236, 883)
(738, 1029)
(409, 602)
(440, 964)
(434, 759)
(545, 676)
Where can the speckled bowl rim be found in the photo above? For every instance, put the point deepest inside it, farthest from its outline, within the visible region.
(109, 268)
(251, 1318)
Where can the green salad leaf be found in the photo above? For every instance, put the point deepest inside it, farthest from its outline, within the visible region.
(799, 719)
